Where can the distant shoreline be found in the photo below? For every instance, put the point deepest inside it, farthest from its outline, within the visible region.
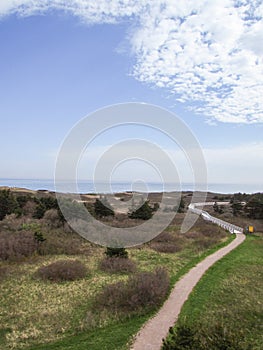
(88, 187)
(24, 190)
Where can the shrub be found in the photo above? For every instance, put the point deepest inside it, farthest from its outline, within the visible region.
(164, 237)
(63, 270)
(60, 244)
(166, 247)
(17, 246)
(144, 290)
(205, 242)
(197, 337)
(116, 252)
(115, 265)
(51, 218)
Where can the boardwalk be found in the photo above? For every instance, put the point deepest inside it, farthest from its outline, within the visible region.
(151, 335)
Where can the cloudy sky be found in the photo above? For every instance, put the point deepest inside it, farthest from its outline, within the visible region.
(201, 60)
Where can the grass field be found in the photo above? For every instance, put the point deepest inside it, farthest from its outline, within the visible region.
(230, 296)
(35, 312)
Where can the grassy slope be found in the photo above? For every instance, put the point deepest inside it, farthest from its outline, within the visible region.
(112, 337)
(231, 293)
(118, 335)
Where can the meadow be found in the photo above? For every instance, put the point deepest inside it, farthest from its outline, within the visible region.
(83, 304)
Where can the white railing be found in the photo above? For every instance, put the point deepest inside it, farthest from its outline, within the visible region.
(206, 216)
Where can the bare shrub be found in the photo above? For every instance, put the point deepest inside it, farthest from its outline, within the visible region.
(206, 242)
(193, 234)
(166, 247)
(63, 270)
(51, 218)
(60, 244)
(116, 265)
(142, 291)
(164, 237)
(16, 246)
(165, 242)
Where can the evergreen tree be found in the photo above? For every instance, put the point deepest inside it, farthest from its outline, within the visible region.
(103, 208)
(8, 203)
(144, 212)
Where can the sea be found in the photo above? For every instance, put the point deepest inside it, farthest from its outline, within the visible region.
(88, 186)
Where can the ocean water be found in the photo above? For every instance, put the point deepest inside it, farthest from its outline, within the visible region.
(89, 187)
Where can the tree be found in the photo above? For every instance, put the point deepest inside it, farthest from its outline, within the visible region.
(8, 203)
(181, 205)
(218, 208)
(103, 208)
(254, 207)
(144, 212)
(237, 207)
(44, 204)
(72, 210)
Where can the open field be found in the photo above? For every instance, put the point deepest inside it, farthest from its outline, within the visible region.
(35, 311)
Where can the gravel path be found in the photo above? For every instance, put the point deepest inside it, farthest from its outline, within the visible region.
(151, 335)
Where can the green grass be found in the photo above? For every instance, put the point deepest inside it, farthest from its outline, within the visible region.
(112, 337)
(36, 312)
(230, 294)
(118, 335)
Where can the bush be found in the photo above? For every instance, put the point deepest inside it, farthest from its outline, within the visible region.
(167, 243)
(144, 290)
(60, 244)
(63, 270)
(51, 218)
(206, 242)
(115, 265)
(164, 237)
(17, 246)
(116, 252)
(166, 247)
(198, 337)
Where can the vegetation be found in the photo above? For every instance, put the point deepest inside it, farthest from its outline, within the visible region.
(144, 212)
(142, 291)
(64, 315)
(103, 208)
(15, 247)
(63, 270)
(117, 265)
(228, 316)
(8, 203)
(218, 208)
(248, 205)
(116, 253)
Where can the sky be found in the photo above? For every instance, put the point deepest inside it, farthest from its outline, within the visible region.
(201, 60)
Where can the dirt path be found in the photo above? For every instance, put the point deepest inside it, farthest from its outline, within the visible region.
(151, 335)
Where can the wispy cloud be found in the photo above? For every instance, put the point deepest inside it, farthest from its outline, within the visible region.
(208, 54)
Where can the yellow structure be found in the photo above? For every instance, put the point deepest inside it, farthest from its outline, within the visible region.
(250, 229)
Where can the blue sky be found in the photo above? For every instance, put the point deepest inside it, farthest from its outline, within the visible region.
(61, 60)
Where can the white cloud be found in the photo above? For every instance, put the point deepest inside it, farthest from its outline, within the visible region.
(207, 53)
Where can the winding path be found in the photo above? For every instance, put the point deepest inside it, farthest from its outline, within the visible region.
(151, 335)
